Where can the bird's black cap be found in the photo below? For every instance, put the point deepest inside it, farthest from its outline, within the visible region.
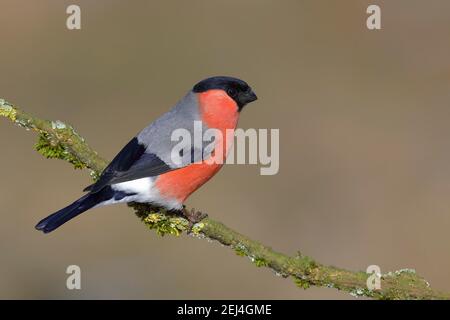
(236, 88)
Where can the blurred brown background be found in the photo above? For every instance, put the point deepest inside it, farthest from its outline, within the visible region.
(363, 118)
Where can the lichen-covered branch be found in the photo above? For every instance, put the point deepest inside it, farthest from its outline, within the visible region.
(56, 139)
(59, 140)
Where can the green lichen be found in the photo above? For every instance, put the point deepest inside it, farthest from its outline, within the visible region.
(52, 150)
(164, 224)
(304, 263)
(260, 262)
(197, 228)
(301, 283)
(7, 110)
(241, 250)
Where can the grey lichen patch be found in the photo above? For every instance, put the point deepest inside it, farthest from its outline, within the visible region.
(52, 150)
(400, 272)
(164, 224)
(7, 110)
(407, 271)
(358, 292)
(24, 123)
(58, 125)
(281, 274)
(94, 175)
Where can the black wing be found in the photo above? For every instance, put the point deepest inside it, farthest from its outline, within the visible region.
(130, 163)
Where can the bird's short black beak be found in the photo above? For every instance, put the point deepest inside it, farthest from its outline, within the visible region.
(249, 97)
(253, 96)
(245, 98)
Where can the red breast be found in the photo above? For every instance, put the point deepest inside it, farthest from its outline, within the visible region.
(217, 111)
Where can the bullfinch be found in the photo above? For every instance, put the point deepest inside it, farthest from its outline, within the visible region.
(145, 171)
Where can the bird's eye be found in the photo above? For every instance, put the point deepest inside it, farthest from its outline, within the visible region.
(231, 92)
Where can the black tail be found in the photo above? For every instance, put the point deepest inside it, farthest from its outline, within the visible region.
(60, 217)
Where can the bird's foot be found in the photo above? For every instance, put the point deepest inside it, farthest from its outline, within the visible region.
(193, 216)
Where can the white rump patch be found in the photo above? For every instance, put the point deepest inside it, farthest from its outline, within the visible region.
(139, 186)
(144, 192)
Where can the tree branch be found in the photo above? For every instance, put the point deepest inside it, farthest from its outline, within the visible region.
(59, 140)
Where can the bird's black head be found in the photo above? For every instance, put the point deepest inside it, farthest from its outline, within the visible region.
(237, 89)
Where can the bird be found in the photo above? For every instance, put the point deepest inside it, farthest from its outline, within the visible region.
(145, 171)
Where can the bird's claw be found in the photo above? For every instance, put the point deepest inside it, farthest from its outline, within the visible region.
(193, 216)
